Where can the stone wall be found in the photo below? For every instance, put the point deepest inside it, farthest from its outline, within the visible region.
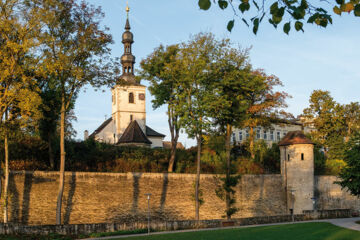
(119, 197)
(331, 196)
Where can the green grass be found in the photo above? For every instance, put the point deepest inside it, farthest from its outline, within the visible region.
(300, 231)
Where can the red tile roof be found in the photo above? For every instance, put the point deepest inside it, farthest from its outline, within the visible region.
(295, 137)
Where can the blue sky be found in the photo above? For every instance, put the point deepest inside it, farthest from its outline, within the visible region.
(320, 58)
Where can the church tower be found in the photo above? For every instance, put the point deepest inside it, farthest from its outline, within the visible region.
(128, 97)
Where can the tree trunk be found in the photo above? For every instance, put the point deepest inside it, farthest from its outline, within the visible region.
(172, 156)
(197, 181)
(62, 163)
(6, 185)
(228, 159)
(51, 155)
(251, 143)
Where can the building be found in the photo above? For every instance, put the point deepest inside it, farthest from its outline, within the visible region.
(272, 134)
(297, 171)
(127, 125)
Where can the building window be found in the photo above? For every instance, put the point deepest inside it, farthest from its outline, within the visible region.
(302, 156)
(288, 157)
(265, 135)
(131, 97)
(284, 133)
(131, 117)
(258, 133)
(234, 137)
(278, 136)
(272, 135)
(240, 136)
(247, 133)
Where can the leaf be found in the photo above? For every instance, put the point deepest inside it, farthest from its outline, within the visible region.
(230, 25)
(287, 28)
(256, 25)
(274, 8)
(299, 26)
(223, 4)
(340, 2)
(245, 6)
(204, 4)
(337, 10)
(349, 7)
(272, 23)
(357, 10)
(313, 18)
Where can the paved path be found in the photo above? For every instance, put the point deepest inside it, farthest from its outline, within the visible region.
(341, 222)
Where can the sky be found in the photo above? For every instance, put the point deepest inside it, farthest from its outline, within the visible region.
(319, 58)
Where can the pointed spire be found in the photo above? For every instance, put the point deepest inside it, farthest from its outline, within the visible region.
(127, 25)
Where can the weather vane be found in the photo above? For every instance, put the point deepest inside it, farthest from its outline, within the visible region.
(127, 9)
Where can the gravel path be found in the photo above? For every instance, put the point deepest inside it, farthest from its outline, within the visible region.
(341, 222)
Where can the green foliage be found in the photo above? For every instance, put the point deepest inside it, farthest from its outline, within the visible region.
(277, 11)
(350, 174)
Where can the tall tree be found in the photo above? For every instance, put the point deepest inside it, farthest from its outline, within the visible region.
(162, 70)
(18, 99)
(197, 60)
(75, 53)
(296, 12)
(350, 177)
(352, 119)
(265, 104)
(327, 117)
(233, 75)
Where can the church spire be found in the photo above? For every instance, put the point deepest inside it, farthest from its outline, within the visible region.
(127, 59)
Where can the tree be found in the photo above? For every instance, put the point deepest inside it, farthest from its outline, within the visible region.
(327, 117)
(264, 103)
(352, 119)
(298, 12)
(18, 97)
(196, 60)
(163, 72)
(350, 178)
(230, 108)
(76, 53)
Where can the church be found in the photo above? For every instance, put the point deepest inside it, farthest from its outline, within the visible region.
(127, 125)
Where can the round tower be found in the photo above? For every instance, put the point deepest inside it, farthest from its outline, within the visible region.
(297, 171)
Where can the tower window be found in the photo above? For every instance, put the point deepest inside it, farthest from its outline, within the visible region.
(288, 157)
(302, 156)
(131, 117)
(131, 97)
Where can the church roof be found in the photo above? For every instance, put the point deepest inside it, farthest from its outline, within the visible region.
(152, 133)
(295, 137)
(134, 134)
(101, 127)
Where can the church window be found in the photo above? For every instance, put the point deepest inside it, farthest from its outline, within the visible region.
(131, 117)
(240, 135)
(288, 157)
(302, 156)
(272, 135)
(234, 137)
(265, 135)
(141, 96)
(258, 133)
(278, 136)
(131, 97)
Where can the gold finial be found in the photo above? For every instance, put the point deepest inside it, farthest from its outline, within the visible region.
(127, 9)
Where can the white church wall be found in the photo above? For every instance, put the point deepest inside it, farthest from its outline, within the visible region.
(156, 141)
(107, 134)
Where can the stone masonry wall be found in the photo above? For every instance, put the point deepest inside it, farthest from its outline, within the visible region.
(119, 197)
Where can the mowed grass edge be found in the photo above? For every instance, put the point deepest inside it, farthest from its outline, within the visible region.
(297, 231)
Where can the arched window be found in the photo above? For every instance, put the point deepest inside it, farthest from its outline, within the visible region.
(131, 97)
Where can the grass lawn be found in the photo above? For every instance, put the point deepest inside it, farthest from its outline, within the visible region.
(299, 231)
